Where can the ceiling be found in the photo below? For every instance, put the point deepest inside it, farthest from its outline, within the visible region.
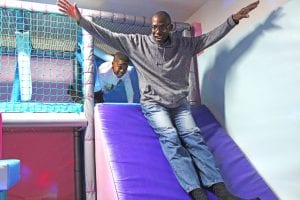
(180, 10)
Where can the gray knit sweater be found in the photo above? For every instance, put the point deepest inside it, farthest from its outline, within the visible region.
(163, 71)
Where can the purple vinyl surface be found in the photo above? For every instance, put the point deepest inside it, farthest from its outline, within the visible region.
(139, 170)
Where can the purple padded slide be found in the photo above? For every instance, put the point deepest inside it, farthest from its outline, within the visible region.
(131, 166)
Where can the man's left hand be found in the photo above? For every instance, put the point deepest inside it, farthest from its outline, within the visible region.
(244, 12)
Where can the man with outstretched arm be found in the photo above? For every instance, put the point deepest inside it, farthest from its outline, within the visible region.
(162, 61)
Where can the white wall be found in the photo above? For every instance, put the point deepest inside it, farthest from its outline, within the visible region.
(251, 82)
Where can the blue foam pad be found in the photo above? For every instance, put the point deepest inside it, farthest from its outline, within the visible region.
(9, 173)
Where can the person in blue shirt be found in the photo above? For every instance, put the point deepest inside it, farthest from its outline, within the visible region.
(109, 75)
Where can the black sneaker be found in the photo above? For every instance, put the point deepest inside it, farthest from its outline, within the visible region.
(198, 194)
(220, 190)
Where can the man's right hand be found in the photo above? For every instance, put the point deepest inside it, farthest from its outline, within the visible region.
(66, 7)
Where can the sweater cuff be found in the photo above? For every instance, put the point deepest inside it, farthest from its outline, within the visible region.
(82, 22)
(231, 22)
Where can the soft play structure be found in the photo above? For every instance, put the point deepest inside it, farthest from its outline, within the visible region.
(42, 53)
(9, 170)
(42, 126)
(78, 150)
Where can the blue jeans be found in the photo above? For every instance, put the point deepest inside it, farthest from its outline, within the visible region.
(183, 145)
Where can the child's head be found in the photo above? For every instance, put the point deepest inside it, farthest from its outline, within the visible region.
(120, 64)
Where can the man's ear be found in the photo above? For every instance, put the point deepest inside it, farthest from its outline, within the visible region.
(171, 27)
